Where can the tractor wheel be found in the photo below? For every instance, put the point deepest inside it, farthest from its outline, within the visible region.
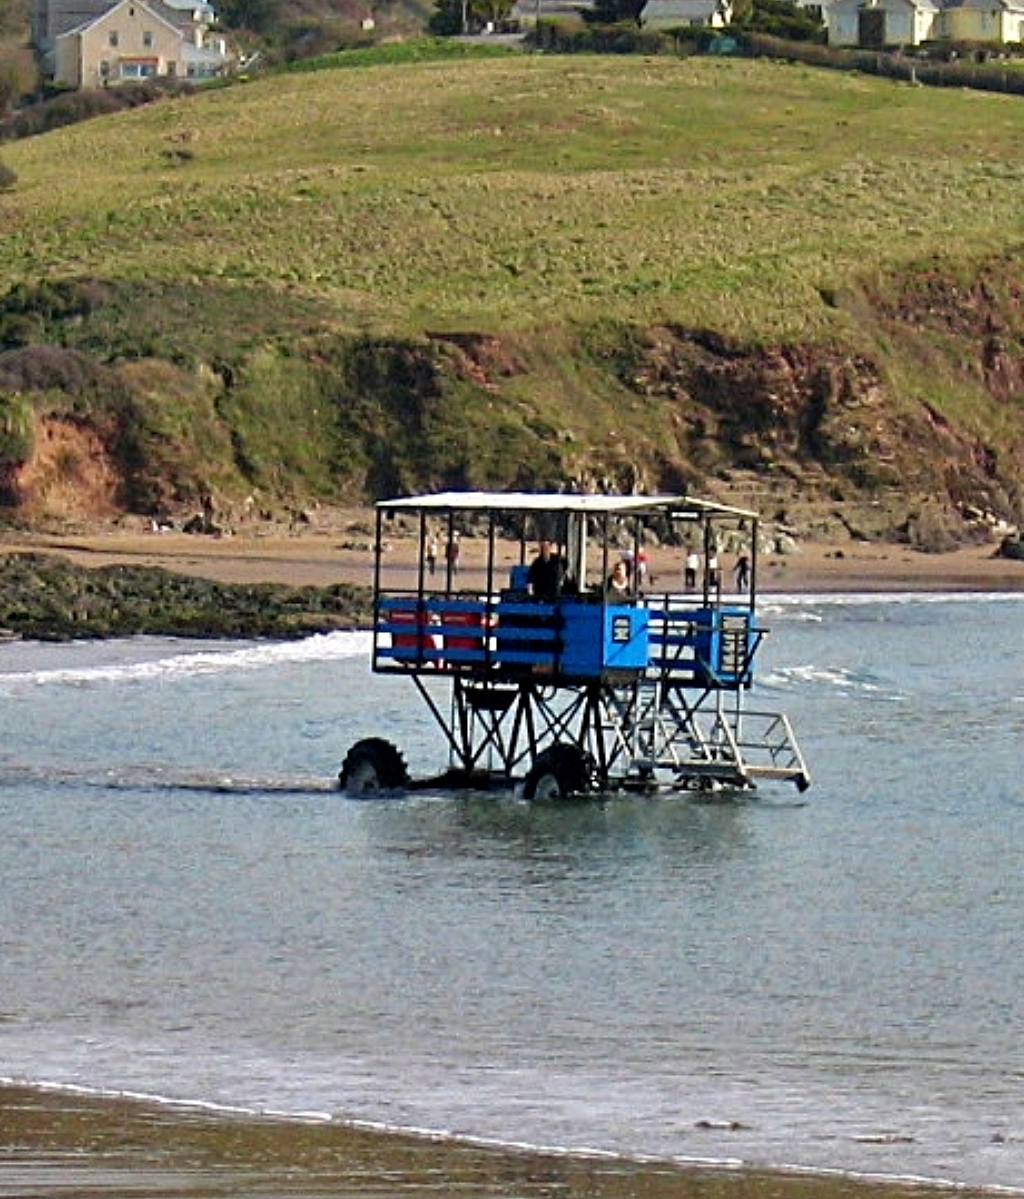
(559, 772)
(371, 766)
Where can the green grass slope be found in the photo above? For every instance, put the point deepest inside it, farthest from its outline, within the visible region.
(530, 269)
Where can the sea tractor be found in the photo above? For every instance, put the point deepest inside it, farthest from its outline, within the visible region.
(550, 681)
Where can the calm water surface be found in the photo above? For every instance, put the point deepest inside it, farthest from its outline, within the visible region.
(833, 981)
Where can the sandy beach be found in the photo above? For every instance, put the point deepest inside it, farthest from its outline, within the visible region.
(63, 1143)
(321, 557)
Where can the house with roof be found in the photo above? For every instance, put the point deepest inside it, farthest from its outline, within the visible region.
(878, 24)
(139, 39)
(874, 24)
(677, 14)
(998, 21)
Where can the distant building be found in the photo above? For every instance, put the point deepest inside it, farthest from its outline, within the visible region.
(96, 43)
(525, 13)
(878, 24)
(983, 20)
(677, 14)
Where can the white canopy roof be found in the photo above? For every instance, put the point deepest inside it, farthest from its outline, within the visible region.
(557, 502)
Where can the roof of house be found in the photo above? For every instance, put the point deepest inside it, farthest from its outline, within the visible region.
(191, 6)
(913, 5)
(91, 22)
(211, 54)
(681, 10)
(988, 5)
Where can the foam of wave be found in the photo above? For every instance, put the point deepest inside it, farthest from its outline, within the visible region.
(928, 1182)
(789, 677)
(322, 647)
(848, 599)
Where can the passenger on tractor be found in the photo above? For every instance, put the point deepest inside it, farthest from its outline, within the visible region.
(619, 588)
(547, 577)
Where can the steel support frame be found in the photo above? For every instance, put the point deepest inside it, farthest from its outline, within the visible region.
(628, 730)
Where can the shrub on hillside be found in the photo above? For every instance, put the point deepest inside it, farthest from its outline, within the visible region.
(15, 427)
(780, 19)
(30, 312)
(990, 77)
(7, 177)
(567, 37)
(69, 108)
(56, 371)
(19, 75)
(16, 441)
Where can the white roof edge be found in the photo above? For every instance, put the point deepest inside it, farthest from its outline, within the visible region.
(557, 502)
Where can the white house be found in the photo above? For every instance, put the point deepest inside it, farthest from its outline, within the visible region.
(983, 20)
(874, 24)
(877, 23)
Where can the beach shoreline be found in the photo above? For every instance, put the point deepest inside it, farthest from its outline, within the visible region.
(323, 557)
(57, 1142)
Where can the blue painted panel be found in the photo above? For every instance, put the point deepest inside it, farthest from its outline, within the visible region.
(596, 638)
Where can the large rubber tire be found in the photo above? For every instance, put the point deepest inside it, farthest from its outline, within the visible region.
(371, 766)
(559, 772)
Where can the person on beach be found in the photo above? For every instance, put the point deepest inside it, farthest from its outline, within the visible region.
(431, 556)
(742, 572)
(714, 572)
(640, 569)
(453, 552)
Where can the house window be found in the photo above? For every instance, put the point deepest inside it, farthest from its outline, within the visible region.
(172, 68)
(147, 38)
(113, 38)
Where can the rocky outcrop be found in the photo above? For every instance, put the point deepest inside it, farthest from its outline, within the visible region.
(47, 598)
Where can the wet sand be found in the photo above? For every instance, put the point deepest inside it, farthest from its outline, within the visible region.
(320, 558)
(59, 1144)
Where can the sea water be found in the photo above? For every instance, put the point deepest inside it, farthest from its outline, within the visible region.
(831, 981)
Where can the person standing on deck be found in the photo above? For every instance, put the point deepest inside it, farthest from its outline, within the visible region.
(690, 570)
(547, 573)
(617, 589)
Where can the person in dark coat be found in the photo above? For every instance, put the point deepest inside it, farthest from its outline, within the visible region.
(546, 577)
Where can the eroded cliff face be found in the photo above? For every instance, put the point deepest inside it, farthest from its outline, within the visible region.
(924, 443)
(823, 425)
(908, 426)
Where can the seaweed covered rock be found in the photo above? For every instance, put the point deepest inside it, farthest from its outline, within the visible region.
(45, 597)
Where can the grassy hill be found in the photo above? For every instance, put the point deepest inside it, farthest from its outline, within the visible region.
(519, 269)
